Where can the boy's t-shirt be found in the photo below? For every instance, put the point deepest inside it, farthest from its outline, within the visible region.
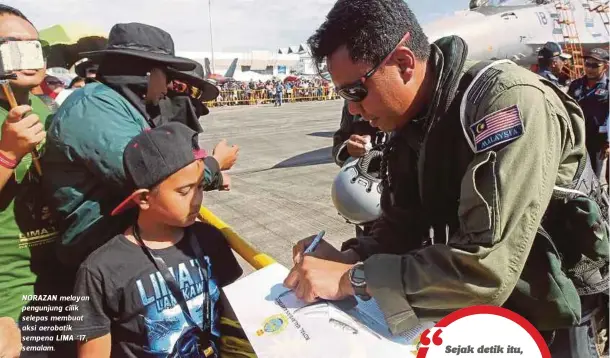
(128, 298)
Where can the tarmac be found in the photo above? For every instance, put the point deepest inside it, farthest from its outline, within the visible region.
(281, 182)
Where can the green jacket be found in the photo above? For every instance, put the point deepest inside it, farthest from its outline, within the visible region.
(481, 198)
(83, 167)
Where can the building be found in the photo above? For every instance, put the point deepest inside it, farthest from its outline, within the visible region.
(305, 66)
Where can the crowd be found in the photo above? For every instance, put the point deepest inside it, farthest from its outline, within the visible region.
(53, 90)
(487, 197)
(259, 92)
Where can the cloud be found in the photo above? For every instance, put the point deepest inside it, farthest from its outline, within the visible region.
(238, 25)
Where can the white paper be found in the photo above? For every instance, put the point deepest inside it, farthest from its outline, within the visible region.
(280, 325)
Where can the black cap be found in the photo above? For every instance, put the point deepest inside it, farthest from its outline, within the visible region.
(84, 65)
(155, 154)
(598, 54)
(551, 50)
(143, 41)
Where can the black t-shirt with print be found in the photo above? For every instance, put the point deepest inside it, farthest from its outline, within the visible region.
(129, 299)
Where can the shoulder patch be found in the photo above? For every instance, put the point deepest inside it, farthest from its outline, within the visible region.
(500, 127)
(482, 85)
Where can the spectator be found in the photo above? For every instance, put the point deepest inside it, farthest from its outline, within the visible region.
(27, 231)
(86, 68)
(51, 87)
(83, 159)
(77, 82)
(551, 60)
(187, 95)
(164, 176)
(591, 92)
(279, 93)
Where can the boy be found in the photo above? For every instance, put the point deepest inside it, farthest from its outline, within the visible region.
(155, 290)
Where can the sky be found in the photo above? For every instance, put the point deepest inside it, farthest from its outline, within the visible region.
(237, 25)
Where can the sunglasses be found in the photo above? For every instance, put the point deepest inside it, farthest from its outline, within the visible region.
(185, 89)
(357, 92)
(178, 86)
(593, 64)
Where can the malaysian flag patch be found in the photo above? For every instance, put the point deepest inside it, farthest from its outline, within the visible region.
(497, 128)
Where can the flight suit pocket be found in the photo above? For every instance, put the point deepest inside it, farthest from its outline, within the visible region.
(479, 209)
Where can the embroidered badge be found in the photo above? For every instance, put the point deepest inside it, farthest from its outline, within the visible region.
(496, 128)
(601, 92)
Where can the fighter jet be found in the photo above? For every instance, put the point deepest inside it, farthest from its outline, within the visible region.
(517, 29)
(220, 79)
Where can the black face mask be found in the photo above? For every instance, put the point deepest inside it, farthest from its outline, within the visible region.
(177, 108)
(127, 76)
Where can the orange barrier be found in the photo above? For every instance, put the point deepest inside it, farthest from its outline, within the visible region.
(266, 96)
(254, 257)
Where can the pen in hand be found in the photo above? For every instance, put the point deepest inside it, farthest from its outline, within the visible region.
(314, 243)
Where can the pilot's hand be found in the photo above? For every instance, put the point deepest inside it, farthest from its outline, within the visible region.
(356, 145)
(324, 250)
(225, 155)
(10, 338)
(315, 278)
(20, 135)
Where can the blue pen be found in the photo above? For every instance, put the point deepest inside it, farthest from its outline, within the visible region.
(314, 243)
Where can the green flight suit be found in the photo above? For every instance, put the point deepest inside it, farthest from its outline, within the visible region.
(489, 214)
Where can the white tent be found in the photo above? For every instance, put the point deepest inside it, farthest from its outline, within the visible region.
(250, 76)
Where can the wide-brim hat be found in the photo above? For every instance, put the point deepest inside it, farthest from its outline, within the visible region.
(196, 78)
(142, 41)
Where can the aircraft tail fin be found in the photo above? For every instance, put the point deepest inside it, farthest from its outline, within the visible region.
(231, 69)
(208, 72)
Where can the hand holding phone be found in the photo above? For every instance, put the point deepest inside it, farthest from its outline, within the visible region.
(21, 133)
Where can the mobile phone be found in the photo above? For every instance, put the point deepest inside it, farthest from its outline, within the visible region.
(21, 55)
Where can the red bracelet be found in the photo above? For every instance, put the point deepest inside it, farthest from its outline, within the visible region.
(7, 162)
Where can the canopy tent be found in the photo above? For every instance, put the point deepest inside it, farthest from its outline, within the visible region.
(64, 42)
(69, 34)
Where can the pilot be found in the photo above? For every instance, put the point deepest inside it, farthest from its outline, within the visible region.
(551, 60)
(591, 92)
(482, 158)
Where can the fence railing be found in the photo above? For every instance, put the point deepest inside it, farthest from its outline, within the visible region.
(267, 96)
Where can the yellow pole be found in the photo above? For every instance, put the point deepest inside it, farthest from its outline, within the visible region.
(255, 258)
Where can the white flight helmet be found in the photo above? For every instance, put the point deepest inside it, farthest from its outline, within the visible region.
(356, 191)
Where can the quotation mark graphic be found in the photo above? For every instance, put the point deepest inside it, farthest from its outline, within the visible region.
(436, 338)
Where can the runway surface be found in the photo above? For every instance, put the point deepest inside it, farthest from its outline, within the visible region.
(281, 182)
